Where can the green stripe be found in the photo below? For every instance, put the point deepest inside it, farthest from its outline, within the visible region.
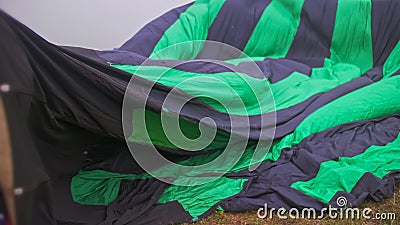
(97, 187)
(276, 29)
(228, 92)
(373, 101)
(352, 40)
(343, 175)
(298, 87)
(192, 25)
(152, 132)
(232, 87)
(392, 63)
(196, 200)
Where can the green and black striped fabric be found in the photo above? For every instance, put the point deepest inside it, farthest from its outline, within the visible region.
(319, 77)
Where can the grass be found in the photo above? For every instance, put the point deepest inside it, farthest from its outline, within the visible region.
(391, 205)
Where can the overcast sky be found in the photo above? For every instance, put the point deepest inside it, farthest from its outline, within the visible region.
(99, 24)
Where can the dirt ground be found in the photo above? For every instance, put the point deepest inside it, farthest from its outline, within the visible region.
(250, 218)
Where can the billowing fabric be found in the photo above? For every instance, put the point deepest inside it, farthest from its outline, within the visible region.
(332, 67)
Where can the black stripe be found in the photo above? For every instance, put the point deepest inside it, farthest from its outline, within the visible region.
(233, 25)
(385, 29)
(314, 35)
(278, 69)
(396, 73)
(273, 69)
(147, 38)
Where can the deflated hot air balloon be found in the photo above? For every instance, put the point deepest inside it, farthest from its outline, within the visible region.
(216, 105)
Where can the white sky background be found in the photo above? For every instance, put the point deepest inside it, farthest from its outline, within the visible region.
(97, 24)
